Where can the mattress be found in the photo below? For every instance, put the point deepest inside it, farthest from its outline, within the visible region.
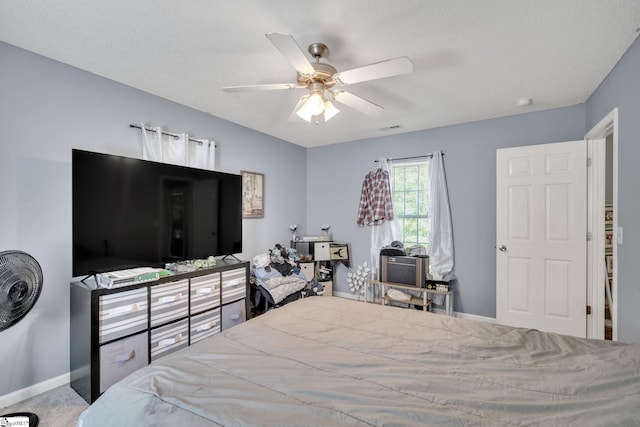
(329, 361)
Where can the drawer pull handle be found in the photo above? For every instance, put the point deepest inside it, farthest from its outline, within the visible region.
(206, 326)
(123, 309)
(169, 341)
(126, 357)
(235, 316)
(203, 291)
(172, 298)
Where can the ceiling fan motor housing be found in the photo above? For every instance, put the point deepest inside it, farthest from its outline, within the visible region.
(323, 74)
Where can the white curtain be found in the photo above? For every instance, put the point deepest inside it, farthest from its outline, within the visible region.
(385, 233)
(440, 249)
(178, 150)
(201, 154)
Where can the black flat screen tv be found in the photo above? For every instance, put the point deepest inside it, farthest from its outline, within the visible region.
(131, 213)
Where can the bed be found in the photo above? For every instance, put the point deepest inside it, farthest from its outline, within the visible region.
(330, 361)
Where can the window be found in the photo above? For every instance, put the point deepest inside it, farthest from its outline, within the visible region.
(409, 191)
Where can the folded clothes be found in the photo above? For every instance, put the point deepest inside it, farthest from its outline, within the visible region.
(398, 295)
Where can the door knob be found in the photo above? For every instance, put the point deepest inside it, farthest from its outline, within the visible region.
(503, 248)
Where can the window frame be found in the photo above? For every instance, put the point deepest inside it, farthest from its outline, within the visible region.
(420, 197)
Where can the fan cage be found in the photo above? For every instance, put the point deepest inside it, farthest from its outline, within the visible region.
(18, 269)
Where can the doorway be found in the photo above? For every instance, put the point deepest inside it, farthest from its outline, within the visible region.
(603, 237)
(602, 225)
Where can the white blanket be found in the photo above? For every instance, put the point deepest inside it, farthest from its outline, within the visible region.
(327, 361)
(283, 286)
(278, 286)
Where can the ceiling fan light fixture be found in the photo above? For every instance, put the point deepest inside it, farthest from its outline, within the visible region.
(329, 111)
(304, 114)
(315, 104)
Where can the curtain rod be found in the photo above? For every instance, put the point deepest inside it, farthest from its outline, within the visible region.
(173, 135)
(426, 156)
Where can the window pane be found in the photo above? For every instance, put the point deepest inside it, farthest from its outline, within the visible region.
(401, 226)
(398, 204)
(411, 203)
(422, 204)
(423, 230)
(423, 177)
(412, 177)
(410, 231)
(398, 179)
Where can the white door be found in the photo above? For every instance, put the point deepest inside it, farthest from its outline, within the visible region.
(541, 230)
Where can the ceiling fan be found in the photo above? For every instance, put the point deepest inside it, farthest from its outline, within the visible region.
(322, 80)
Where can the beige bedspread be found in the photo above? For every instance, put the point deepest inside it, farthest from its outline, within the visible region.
(327, 361)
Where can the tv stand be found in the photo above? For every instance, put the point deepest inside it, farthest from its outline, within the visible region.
(231, 255)
(425, 302)
(114, 332)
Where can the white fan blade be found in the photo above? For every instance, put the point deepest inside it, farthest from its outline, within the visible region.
(247, 88)
(292, 52)
(379, 70)
(357, 103)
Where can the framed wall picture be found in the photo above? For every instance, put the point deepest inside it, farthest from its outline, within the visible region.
(252, 194)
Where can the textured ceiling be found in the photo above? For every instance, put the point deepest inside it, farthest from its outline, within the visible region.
(472, 59)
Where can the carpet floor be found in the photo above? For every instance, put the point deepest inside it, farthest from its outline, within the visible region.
(59, 407)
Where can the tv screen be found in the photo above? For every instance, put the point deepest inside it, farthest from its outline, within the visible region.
(131, 213)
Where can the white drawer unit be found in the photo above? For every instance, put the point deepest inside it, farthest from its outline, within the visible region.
(308, 269)
(234, 285)
(321, 251)
(122, 314)
(169, 338)
(233, 314)
(328, 288)
(169, 301)
(204, 325)
(205, 293)
(120, 358)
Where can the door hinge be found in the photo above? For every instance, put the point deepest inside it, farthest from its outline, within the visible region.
(588, 309)
(589, 236)
(588, 161)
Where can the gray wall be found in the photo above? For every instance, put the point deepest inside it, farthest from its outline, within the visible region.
(621, 89)
(46, 109)
(335, 174)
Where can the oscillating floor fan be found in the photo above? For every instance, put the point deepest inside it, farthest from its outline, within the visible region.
(20, 286)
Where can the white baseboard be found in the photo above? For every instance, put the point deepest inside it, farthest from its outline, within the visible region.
(34, 390)
(346, 295)
(465, 315)
(434, 309)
